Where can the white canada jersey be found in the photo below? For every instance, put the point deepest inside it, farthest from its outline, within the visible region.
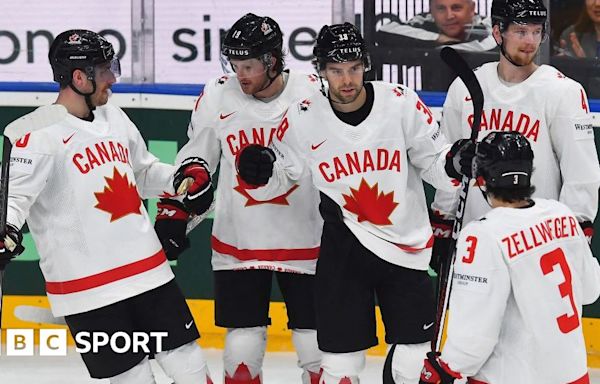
(373, 171)
(521, 277)
(282, 233)
(552, 112)
(79, 185)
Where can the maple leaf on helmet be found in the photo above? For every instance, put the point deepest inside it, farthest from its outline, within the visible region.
(242, 376)
(119, 197)
(369, 204)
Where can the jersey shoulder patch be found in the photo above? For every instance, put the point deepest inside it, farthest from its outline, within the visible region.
(222, 80)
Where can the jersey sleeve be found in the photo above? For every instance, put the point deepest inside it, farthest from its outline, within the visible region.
(426, 145)
(445, 202)
(203, 141)
(289, 165)
(572, 135)
(152, 177)
(480, 290)
(30, 167)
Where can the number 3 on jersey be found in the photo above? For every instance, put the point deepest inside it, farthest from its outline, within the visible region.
(566, 323)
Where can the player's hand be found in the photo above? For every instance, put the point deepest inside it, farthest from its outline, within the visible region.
(11, 246)
(436, 371)
(576, 46)
(442, 236)
(193, 179)
(588, 230)
(170, 226)
(460, 158)
(255, 164)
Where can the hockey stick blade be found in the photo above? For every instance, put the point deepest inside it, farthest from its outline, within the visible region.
(464, 72)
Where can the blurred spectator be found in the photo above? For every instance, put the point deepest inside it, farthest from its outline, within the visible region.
(582, 39)
(448, 22)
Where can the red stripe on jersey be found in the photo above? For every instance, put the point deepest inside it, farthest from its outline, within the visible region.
(198, 100)
(265, 254)
(585, 379)
(413, 249)
(106, 277)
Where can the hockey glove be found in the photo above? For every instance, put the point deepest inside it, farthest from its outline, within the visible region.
(459, 159)
(255, 164)
(588, 230)
(11, 246)
(170, 226)
(442, 236)
(193, 178)
(436, 371)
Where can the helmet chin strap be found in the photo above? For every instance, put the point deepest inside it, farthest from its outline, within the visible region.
(86, 96)
(503, 51)
(267, 63)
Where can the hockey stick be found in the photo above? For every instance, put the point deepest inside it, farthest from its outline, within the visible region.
(6, 149)
(460, 66)
(464, 72)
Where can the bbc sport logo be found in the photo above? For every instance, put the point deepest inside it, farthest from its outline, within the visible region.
(53, 342)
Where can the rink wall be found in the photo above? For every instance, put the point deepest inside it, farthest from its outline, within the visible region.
(162, 112)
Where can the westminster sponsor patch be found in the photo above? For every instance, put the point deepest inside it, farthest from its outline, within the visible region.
(584, 132)
(24, 164)
(474, 282)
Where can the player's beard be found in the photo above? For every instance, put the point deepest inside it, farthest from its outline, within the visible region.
(101, 96)
(337, 95)
(252, 86)
(524, 59)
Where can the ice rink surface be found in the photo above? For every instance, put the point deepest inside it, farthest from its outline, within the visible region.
(279, 368)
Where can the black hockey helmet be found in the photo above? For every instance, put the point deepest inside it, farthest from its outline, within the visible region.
(505, 12)
(80, 49)
(504, 160)
(251, 37)
(340, 43)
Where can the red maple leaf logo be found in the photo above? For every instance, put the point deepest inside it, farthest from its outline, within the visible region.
(242, 376)
(369, 204)
(279, 200)
(119, 197)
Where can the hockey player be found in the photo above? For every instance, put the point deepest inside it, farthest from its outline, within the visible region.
(549, 109)
(367, 147)
(253, 239)
(77, 176)
(522, 273)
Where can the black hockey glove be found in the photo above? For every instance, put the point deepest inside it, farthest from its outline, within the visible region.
(459, 159)
(170, 226)
(442, 236)
(11, 246)
(588, 230)
(193, 178)
(436, 371)
(255, 164)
